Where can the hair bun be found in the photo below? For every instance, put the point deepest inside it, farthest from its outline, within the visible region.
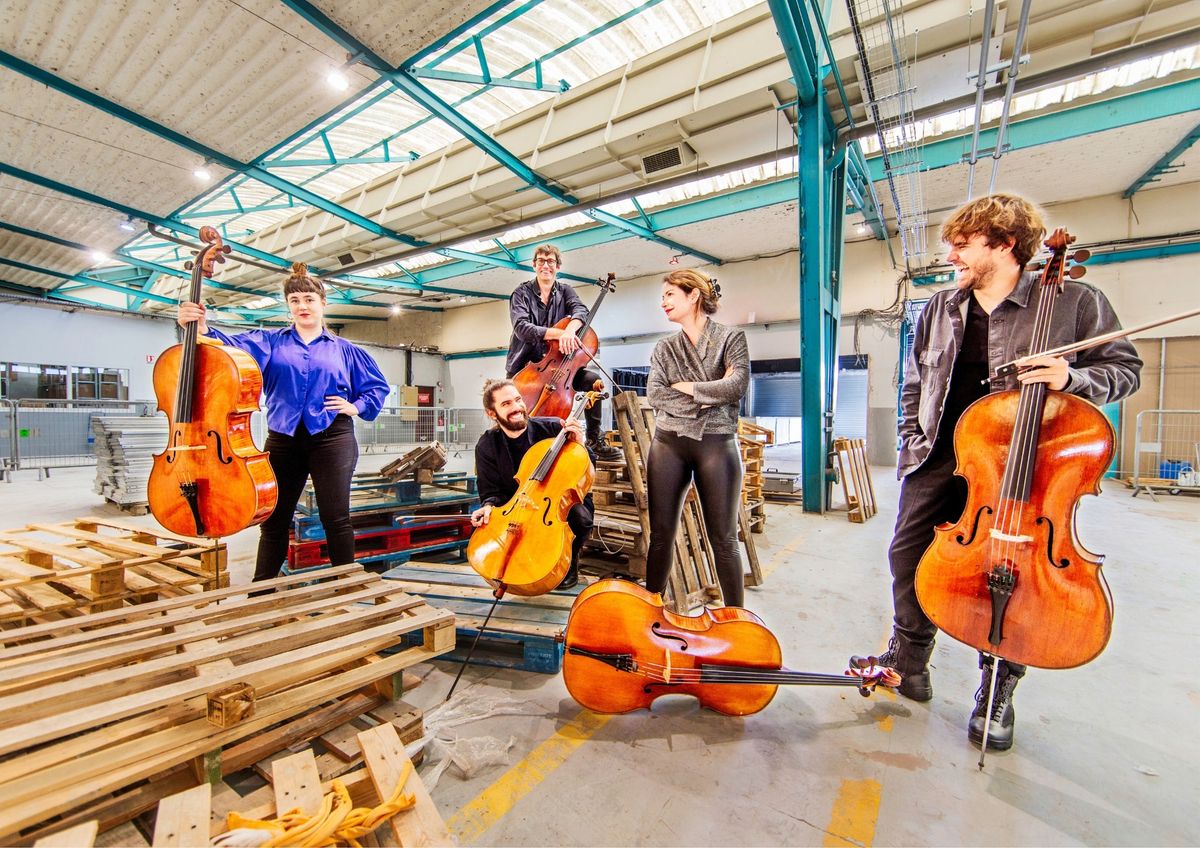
(299, 269)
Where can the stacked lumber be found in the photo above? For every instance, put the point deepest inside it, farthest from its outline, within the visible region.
(125, 447)
(752, 441)
(622, 523)
(418, 463)
(103, 715)
(59, 571)
(189, 817)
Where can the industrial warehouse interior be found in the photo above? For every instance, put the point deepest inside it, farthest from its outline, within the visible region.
(584, 382)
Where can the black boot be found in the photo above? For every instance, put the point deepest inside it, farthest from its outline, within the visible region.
(571, 578)
(1000, 731)
(911, 662)
(600, 449)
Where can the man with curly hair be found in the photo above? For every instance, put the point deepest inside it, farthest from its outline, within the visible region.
(963, 334)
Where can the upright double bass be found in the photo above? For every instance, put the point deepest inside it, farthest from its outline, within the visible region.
(546, 385)
(211, 480)
(1010, 578)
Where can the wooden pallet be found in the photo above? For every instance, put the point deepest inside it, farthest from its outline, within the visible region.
(855, 476)
(624, 525)
(186, 818)
(161, 692)
(524, 632)
(56, 571)
(752, 441)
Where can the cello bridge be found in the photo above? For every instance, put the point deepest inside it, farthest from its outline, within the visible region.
(1008, 537)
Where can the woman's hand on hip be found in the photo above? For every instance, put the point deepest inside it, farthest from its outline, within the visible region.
(334, 403)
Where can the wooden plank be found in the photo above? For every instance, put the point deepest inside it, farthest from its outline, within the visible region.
(79, 836)
(754, 577)
(386, 762)
(308, 726)
(183, 819)
(83, 711)
(297, 784)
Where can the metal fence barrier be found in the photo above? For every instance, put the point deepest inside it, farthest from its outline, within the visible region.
(45, 434)
(1166, 452)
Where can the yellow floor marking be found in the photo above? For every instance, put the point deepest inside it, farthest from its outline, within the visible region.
(855, 811)
(495, 802)
(776, 558)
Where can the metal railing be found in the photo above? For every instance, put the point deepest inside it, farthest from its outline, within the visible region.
(46, 434)
(1166, 452)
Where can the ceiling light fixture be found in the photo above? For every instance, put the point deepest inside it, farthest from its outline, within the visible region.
(674, 260)
(397, 309)
(462, 300)
(202, 173)
(862, 228)
(127, 225)
(99, 256)
(337, 80)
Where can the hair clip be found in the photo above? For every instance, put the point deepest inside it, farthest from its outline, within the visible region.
(715, 286)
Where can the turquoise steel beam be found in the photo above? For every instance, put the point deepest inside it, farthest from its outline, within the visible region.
(1136, 254)
(488, 81)
(1163, 165)
(1126, 110)
(166, 223)
(801, 53)
(87, 281)
(433, 104)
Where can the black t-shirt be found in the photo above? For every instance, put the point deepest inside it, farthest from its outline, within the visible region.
(968, 382)
(518, 447)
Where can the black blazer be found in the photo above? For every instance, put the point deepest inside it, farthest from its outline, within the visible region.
(494, 470)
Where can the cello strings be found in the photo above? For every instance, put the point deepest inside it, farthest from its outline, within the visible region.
(734, 674)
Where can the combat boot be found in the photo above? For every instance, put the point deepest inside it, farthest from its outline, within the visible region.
(911, 662)
(1000, 731)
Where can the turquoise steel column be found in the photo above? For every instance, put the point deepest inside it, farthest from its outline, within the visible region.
(822, 196)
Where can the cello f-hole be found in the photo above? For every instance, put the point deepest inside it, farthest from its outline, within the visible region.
(546, 513)
(657, 628)
(224, 460)
(1062, 563)
(974, 527)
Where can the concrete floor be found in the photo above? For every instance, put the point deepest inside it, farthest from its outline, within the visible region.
(1104, 755)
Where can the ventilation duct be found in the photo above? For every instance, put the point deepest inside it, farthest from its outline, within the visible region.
(677, 157)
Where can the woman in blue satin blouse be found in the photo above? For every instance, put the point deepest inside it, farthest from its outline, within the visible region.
(315, 383)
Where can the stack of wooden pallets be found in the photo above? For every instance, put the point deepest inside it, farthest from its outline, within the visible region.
(190, 817)
(102, 715)
(752, 440)
(622, 523)
(855, 476)
(58, 571)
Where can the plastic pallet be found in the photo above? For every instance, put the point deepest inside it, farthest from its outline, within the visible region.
(398, 493)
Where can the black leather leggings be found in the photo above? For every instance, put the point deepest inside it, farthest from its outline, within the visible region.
(716, 467)
(330, 457)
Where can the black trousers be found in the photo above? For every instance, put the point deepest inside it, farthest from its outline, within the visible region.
(929, 496)
(716, 467)
(580, 519)
(330, 457)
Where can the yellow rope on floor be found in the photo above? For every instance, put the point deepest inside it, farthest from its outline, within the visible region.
(336, 823)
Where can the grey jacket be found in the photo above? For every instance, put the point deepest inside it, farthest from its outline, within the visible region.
(528, 343)
(1102, 374)
(714, 407)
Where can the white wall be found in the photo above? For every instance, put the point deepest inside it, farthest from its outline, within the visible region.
(53, 336)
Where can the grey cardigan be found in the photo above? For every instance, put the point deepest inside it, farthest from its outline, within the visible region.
(714, 407)
(1102, 374)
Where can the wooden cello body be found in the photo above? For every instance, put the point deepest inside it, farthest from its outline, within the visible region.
(624, 649)
(525, 548)
(1010, 578)
(211, 480)
(546, 385)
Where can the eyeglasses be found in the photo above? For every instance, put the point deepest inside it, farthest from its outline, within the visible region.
(549, 261)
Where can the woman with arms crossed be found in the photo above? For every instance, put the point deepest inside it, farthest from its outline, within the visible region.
(315, 383)
(697, 379)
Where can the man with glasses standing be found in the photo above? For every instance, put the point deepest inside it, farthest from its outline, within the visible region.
(535, 307)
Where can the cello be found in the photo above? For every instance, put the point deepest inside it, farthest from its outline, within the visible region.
(545, 385)
(624, 649)
(211, 480)
(1010, 578)
(525, 548)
